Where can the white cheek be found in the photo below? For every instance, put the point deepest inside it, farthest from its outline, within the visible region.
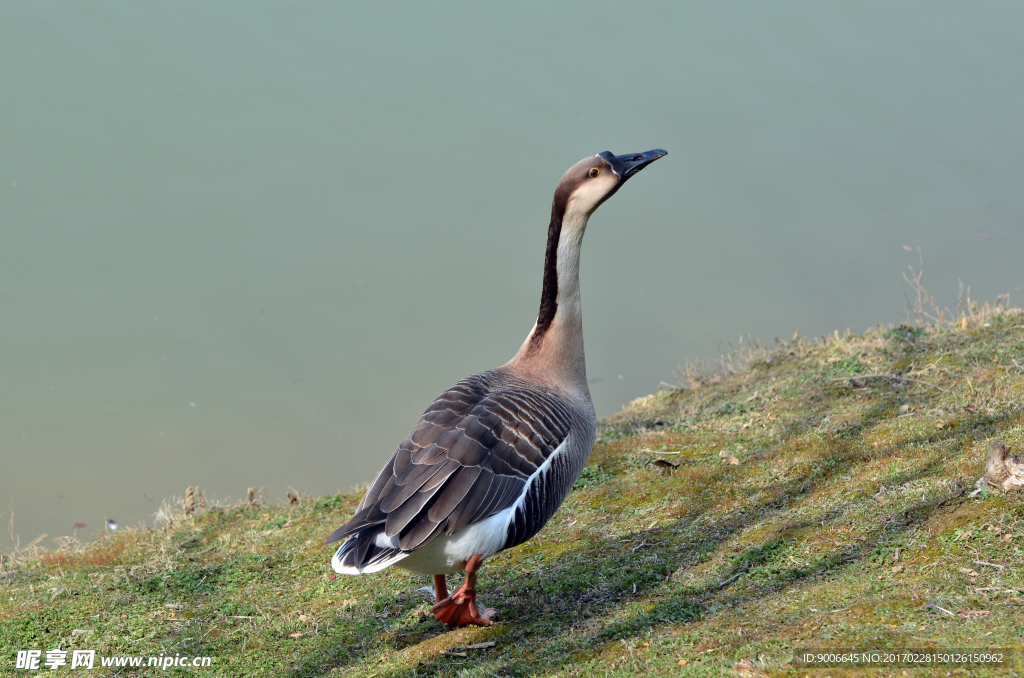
(591, 192)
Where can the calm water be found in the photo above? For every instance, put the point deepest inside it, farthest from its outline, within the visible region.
(246, 244)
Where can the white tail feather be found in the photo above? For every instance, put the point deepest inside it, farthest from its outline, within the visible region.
(379, 562)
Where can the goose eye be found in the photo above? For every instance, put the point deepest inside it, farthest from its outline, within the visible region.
(594, 172)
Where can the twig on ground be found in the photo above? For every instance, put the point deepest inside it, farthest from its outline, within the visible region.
(723, 584)
(933, 606)
(475, 646)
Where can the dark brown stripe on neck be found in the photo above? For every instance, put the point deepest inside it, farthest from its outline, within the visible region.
(549, 290)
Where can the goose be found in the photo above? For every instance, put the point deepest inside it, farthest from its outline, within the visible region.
(492, 458)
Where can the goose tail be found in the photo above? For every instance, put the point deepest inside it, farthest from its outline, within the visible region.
(367, 551)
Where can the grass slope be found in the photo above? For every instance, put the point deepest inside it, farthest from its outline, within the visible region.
(804, 511)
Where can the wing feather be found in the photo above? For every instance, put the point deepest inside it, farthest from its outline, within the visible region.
(426, 433)
(426, 482)
(419, 534)
(454, 492)
(402, 459)
(418, 477)
(406, 513)
(474, 499)
(445, 471)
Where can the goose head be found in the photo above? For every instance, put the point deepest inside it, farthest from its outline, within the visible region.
(591, 181)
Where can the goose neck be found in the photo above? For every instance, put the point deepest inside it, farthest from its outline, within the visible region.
(553, 352)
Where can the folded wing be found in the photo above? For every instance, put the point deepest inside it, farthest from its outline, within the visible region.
(468, 457)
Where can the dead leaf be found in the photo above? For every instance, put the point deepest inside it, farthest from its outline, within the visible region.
(294, 635)
(1002, 472)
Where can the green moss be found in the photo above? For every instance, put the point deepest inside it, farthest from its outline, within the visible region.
(591, 476)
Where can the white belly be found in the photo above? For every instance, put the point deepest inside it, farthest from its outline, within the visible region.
(446, 553)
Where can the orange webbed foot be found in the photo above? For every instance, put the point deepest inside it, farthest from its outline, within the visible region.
(460, 608)
(465, 613)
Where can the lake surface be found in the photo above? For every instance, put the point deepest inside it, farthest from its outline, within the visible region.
(247, 244)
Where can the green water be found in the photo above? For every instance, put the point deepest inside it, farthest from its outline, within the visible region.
(245, 244)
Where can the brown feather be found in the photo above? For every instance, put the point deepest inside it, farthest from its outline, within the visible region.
(414, 474)
(402, 458)
(426, 433)
(467, 451)
(401, 493)
(454, 492)
(464, 511)
(444, 471)
(406, 513)
(379, 483)
(420, 533)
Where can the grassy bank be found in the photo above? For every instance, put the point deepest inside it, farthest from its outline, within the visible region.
(716, 528)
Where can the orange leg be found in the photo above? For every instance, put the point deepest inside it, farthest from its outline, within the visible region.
(440, 588)
(459, 609)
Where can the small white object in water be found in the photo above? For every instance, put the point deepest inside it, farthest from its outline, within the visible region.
(191, 404)
(111, 525)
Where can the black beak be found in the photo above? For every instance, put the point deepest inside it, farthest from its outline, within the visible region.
(631, 163)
